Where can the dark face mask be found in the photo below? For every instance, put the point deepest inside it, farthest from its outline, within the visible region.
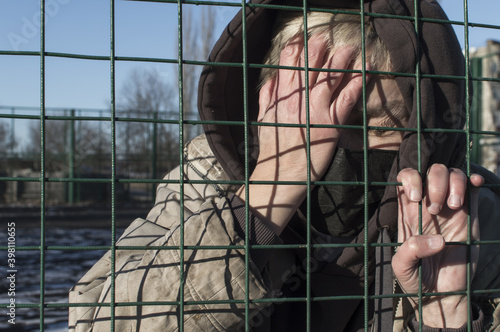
(338, 210)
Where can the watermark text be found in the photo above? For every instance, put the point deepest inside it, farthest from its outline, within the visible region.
(11, 272)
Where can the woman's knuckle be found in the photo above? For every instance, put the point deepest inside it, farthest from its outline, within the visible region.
(437, 190)
(348, 99)
(312, 51)
(439, 168)
(289, 50)
(404, 173)
(413, 244)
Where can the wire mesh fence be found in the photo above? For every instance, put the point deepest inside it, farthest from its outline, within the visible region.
(100, 168)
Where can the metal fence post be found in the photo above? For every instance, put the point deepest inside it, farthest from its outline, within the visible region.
(154, 153)
(476, 69)
(71, 158)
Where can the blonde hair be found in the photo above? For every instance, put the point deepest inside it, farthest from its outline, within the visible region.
(338, 30)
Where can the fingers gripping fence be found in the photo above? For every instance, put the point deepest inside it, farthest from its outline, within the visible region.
(43, 306)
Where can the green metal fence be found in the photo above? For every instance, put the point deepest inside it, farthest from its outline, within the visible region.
(42, 307)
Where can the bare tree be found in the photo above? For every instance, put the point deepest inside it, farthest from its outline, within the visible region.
(147, 97)
(142, 138)
(7, 144)
(82, 146)
(5, 139)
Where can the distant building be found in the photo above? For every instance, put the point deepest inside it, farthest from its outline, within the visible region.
(485, 111)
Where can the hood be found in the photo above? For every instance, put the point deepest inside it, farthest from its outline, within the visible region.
(228, 93)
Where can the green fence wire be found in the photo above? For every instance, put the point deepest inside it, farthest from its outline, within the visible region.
(472, 129)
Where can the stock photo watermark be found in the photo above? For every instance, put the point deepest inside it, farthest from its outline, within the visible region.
(11, 272)
(30, 26)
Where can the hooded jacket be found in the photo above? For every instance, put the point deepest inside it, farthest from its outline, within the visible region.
(220, 288)
(433, 103)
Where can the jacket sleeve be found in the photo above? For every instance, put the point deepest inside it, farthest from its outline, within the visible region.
(208, 276)
(487, 278)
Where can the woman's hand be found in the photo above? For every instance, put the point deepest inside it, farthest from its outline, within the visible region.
(283, 153)
(444, 219)
(332, 95)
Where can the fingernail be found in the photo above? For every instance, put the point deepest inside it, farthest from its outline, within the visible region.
(455, 201)
(435, 242)
(415, 195)
(434, 208)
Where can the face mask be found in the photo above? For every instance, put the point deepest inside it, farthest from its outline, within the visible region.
(338, 210)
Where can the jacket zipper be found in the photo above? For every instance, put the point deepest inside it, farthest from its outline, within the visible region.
(219, 190)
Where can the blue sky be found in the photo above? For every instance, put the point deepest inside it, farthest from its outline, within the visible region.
(479, 11)
(81, 27)
(143, 29)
